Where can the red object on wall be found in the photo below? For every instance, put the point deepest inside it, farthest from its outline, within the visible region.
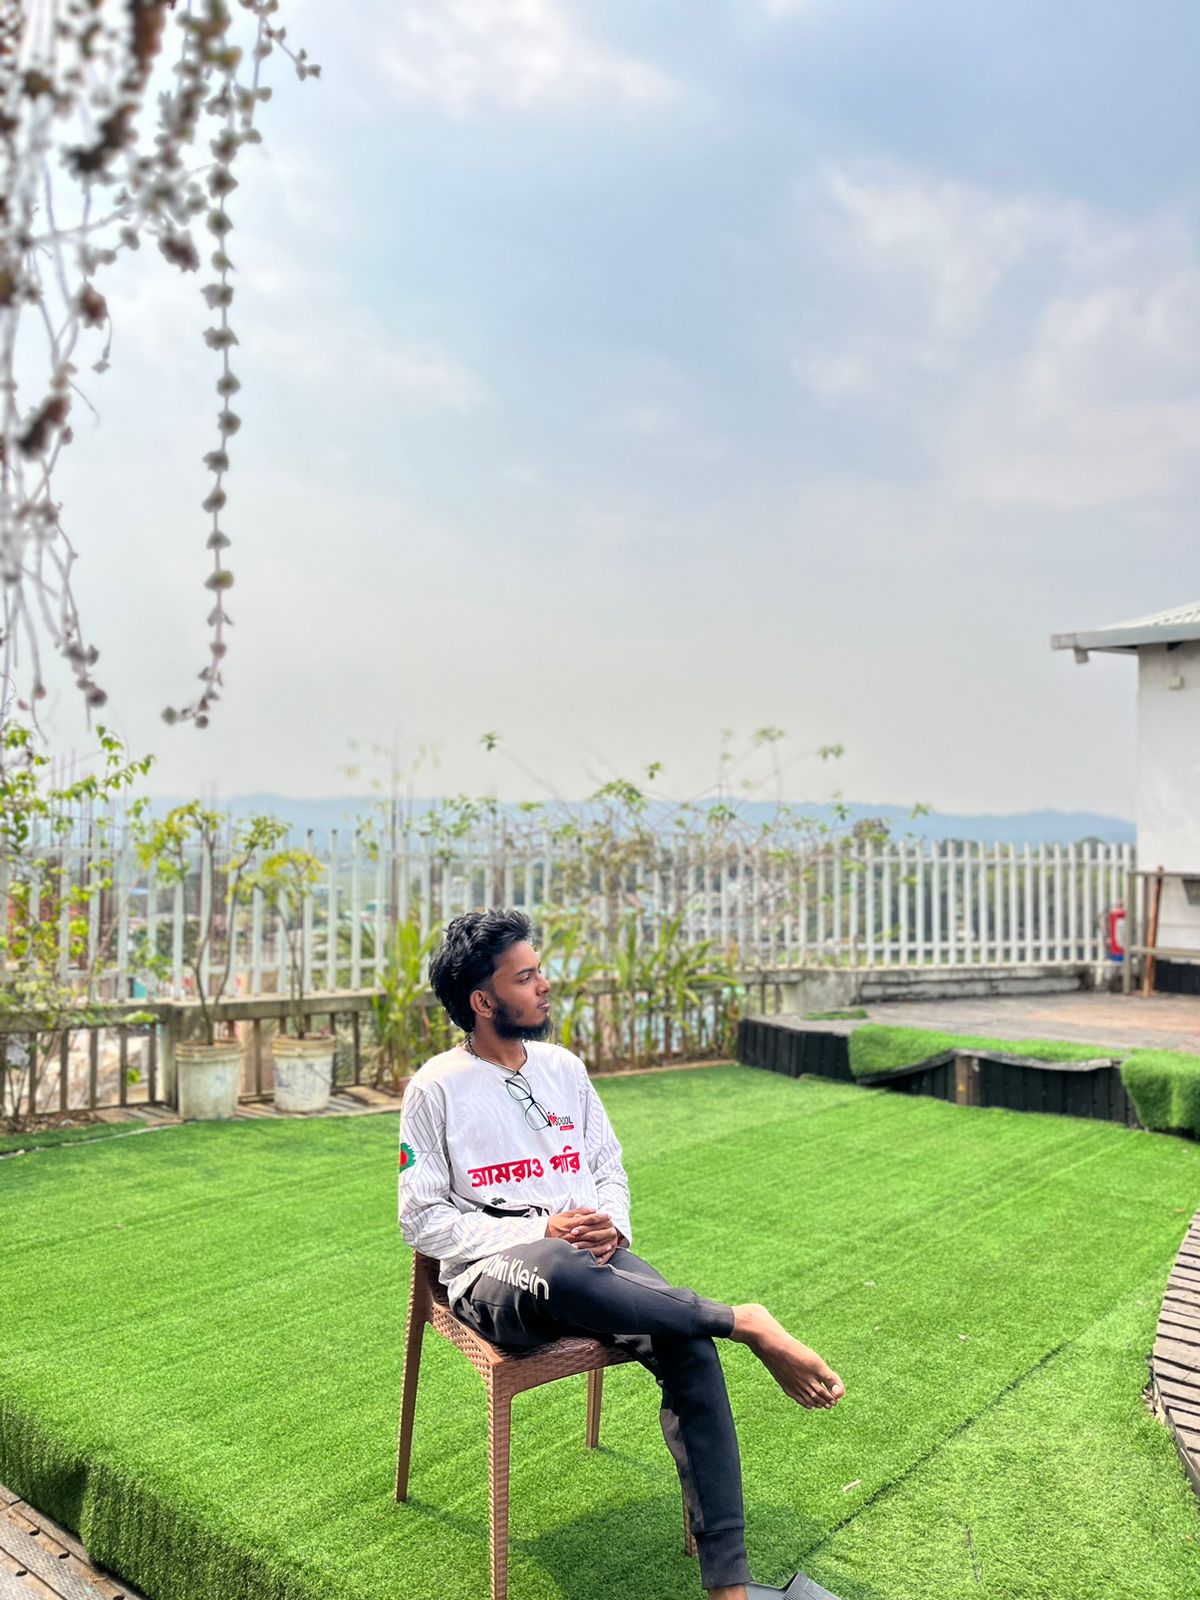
(1114, 933)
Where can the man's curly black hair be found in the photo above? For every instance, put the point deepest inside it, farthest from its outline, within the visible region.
(467, 956)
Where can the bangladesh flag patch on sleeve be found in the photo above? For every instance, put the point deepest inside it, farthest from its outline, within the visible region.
(408, 1157)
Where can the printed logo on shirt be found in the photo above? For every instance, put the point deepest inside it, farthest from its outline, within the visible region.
(408, 1157)
(563, 1124)
(506, 1172)
(508, 1270)
(519, 1171)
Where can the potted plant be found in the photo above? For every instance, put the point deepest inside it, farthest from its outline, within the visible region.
(208, 1069)
(303, 1057)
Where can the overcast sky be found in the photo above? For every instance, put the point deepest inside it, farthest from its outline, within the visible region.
(617, 373)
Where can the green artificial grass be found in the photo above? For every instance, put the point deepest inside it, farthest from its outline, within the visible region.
(878, 1048)
(854, 1014)
(1164, 1086)
(1103, 1494)
(201, 1361)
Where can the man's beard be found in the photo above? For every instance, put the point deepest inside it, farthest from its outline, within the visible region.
(507, 1027)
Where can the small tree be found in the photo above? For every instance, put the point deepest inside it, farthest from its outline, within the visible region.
(190, 835)
(51, 966)
(288, 877)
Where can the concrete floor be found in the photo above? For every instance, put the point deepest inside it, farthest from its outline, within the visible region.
(1157, 1022)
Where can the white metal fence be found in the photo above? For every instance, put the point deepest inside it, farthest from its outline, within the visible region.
(844, 903)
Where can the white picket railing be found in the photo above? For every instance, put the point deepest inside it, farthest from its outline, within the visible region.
(856, 904)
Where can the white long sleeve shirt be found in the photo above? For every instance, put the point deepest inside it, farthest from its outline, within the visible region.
(465, 1144)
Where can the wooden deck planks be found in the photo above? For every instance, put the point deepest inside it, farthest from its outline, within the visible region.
(41, 1561)
(18, 1584)
(1181, 1313)
(153, 1116)
(1175, 1362)
(344, 1102)
(1185, 1415)
(1175, 1350)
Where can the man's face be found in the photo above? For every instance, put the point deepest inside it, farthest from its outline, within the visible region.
(520, 994)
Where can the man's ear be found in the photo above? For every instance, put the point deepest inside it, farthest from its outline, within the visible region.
(481, 1004)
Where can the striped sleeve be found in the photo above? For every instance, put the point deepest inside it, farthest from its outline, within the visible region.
(429, 1220)
(603, 1152)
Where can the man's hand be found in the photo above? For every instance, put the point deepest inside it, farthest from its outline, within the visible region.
(586, 1229)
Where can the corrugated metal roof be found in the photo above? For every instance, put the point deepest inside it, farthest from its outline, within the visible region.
(1165, 619)
(1176, 626)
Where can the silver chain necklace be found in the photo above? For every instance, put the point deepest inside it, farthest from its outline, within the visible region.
(472, 1051)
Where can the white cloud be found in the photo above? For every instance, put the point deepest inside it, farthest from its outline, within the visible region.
(1149, 331)
(668, 431)
(294, 323)
(303, 324)
(644, 420)
(1101, 407)
(946, 244)
(428, 380)
(353, 351)
(1044, 353)
(840, 375)
(467, 56)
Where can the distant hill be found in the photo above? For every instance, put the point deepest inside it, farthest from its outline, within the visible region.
(1020, 827)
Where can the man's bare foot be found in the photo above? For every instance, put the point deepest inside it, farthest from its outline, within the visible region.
(735, 1591)
(798, 1371)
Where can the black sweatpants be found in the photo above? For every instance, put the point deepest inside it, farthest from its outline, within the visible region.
(536, 1292)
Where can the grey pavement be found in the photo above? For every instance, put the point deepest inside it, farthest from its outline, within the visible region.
(1154, 1022)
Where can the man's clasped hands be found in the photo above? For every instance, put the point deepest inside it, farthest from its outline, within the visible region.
(586, 1229)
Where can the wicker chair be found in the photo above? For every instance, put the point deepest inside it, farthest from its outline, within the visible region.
(505, 1374)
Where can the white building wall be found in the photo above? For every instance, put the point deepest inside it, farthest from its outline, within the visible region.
(1168, 780)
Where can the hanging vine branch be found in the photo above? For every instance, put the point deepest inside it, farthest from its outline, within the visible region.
(86, 173)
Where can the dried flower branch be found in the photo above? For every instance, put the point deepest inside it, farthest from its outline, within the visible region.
(74, 78)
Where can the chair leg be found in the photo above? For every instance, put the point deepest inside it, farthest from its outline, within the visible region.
(499, 1432)
(595, 1397)
(408, 1403)
(689, 1543)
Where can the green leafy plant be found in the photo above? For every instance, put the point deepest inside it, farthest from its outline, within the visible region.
(661, 984)
(189, 840)
(287, 878)
(573, 965)
(408, 1029)
(55, 941)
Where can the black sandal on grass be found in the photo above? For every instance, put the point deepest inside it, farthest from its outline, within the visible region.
(800, 1588)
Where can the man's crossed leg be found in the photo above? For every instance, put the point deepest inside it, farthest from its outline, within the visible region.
(537, 1292)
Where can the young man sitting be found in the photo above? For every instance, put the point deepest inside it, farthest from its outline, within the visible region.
(511, 1177)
